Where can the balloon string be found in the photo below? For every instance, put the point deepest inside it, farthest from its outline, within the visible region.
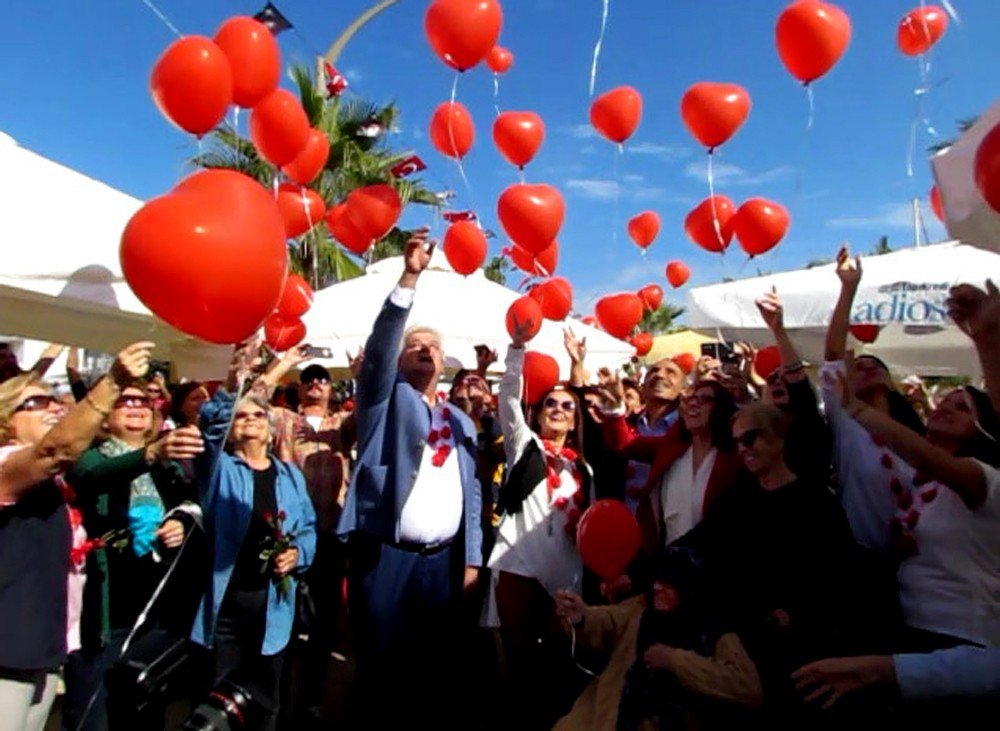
(161, 16)
(496, 93)
(804, 145)
(520, 175)
(812, 106)
(711, 197)
(451, 138)
(950, 9)
(597, 47)
(615, 213)
(920, 117)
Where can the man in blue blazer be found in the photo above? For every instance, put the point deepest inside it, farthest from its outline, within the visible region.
(413, 517)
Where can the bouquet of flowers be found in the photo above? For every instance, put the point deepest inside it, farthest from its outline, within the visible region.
(275, 544)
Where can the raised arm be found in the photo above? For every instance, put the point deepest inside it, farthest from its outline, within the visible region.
(773, 314)
(849, 273)
(47, 358)
(577, 351)
(66, 441)
(977, 312)
(516, 433)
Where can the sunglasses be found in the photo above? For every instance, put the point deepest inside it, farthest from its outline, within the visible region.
(132, 402)
(552, 403)
(319, 379)
(245, 415)
(749, 438)
(36, 403)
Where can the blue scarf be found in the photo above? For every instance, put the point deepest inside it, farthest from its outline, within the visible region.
(145, 506)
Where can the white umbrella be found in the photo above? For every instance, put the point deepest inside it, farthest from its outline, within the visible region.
(903, 291)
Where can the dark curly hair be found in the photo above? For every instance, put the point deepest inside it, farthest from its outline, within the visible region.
(722, 413)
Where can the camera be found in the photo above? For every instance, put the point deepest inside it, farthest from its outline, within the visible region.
(228, 707)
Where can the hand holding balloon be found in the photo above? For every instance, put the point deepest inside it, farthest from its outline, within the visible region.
(416, 257)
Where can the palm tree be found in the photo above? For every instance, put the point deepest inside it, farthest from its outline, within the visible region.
(660, 321)
(359, 156)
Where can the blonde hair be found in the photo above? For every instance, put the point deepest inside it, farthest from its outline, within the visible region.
(767, 417)
(10, 397)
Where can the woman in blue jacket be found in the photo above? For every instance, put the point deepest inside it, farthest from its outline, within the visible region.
(247, 494)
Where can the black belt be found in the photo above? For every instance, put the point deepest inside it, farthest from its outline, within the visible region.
(424, 549)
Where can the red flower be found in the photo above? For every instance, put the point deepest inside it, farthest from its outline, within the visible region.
(905, 500)
(561, 503)
(446, 412)
(97, 543)
(886, 461)
(75, 518)
(929, 495)
(896, 486)
(433, 436)
(552, 479)
(268, 516)
(446, 432)
(441, 455)
(911, 519)
(282, 515)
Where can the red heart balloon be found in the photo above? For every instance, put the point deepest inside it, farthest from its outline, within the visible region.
(540, 374)
(920, 29)
(619, 313)
(700, 224)
(279, 127)
(642, 342)
(465, 247)
(617, 114)
(537, 265)
(651, 296)
(811, 37)
(301, 208)
(767, 361)
(644, 228)
(296, 298)
(987, 168)
(608, 538)
(345, 231)
(531, 215)
(865, 333)
(686, 361)
(192, 84)
(555, 295)
(760, 224)
(283, 333)
(937, 205)
(499, 60)
(219, 239)
(713, 112)
(253, 57)
(311, 160)
(678, 273)
(518, 135)
(526, 313)
(374, 209)
(462, 32)
(452, 130)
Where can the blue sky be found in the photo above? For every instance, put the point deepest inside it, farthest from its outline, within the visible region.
(76, 90)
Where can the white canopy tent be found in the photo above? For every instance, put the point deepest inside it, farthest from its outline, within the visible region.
(61, 280)
(467, 311)
(904, 291)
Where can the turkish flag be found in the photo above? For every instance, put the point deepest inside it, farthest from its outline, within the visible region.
(407, 166)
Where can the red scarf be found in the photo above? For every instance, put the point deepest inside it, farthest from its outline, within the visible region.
(440, 436)
(909, 503)
(557, 460)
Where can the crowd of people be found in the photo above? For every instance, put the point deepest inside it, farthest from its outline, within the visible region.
(815, 553)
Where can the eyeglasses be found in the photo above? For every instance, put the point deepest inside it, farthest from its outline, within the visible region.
(748, 438)
(132, 402)
(247, 415)
(40, 402)
(569, 405)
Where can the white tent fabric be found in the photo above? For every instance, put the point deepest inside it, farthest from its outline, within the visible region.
(904, 291)
(61, 280)
(968, 217)
(467, 311)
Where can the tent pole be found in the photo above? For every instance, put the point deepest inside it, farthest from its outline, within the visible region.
(917, 223)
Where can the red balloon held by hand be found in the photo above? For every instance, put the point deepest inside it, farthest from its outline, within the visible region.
(499, 60)
(531, 215)
(767, 361)
(700, 224)
(617, 113)
(282, 332)
(374, 209)
(608, 538)
(642, 342)
(865, 333)
(678, 273)
(619, 313)
(760, 224)
(651, 296)
(811, 37)
(218, 237)
(311, 159)
(462, 32)
(279, 127)
(555, 295)
(296, 297)
(518, 135)
(452, 131)
(301, 208)
(524, 318)
(192, 84)
(713, 112)
(644, 228)
(253, 57)
(540, 374)
(542, 264)
(465, 247)
(920, 29)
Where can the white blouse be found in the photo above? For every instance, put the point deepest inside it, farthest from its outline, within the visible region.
(682, 494)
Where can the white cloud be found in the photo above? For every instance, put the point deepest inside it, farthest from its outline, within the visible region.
(889, 216)
(662, 195)
(633, 178)
(727, 174)
(667, 152)
(582, 131)
(595, 189)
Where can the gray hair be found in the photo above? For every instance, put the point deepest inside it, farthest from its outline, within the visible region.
(765, 416)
